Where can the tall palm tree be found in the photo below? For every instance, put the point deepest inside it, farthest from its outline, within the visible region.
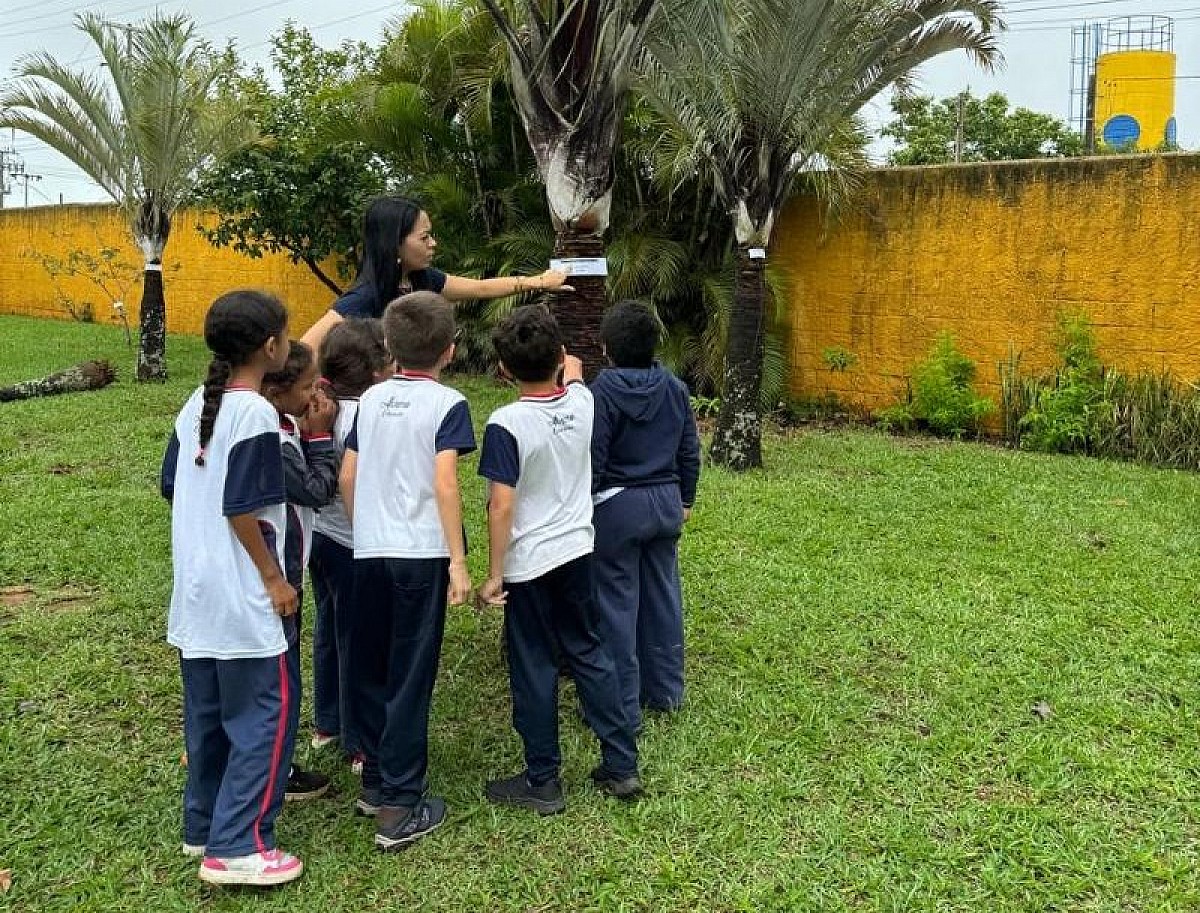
(143, 132)
(571, 65)
(753, 93)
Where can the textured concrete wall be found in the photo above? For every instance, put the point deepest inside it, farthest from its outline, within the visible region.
(194, 271)
(993, 253)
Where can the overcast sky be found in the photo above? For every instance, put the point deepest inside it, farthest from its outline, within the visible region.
(1037, 49)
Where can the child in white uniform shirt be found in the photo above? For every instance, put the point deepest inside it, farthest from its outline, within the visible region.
(353, 358)
(536, 456)
(400, 486)
(223, 474)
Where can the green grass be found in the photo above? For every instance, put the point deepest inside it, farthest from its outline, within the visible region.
(870, 621)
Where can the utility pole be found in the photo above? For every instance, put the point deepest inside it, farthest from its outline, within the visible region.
(11, 166)
(27, 177)
(7, 156)
(958, 130)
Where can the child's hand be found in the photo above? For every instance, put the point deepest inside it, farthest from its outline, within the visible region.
(459, 590)
(492, 593)
(572, 368)
(320, 416)
(284, 599)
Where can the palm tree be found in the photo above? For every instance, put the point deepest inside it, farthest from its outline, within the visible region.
(143, 133)
(753, 93)
(571, 64)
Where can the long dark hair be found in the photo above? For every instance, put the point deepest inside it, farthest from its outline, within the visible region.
(235, 327)
(386, 223)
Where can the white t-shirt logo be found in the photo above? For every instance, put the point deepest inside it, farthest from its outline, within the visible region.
(561, 424)
(394, 406)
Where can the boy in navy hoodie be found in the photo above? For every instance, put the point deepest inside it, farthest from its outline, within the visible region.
(645, 467)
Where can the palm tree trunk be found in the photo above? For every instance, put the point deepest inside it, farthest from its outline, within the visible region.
(579, 312)
(152, 327)
(737, 439)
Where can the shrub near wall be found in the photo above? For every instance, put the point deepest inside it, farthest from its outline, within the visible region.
(196, 272)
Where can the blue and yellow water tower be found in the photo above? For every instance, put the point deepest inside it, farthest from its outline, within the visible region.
(1135, 84)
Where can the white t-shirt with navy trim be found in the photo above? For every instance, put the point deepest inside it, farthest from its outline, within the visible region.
(541, 446)
(220, 608)
(401, 426)
(332, 520)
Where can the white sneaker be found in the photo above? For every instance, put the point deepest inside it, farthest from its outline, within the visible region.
(322, 739)
(259, 869)
(193, 849)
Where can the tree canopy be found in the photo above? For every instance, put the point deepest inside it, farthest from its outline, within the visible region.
(966, 128)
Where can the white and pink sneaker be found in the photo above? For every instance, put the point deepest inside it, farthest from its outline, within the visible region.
(260, 869)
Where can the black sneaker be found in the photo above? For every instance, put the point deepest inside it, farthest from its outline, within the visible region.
(545, 799)
(397, 827)
(368, 802)
(627, 788)
(304, 784)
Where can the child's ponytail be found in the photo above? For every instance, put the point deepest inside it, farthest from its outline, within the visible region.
(219, 370)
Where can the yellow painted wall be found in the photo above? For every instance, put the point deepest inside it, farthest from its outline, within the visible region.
(1140, 84)
(993, 253)
(194, 271)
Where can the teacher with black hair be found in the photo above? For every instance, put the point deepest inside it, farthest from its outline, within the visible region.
(398, 246)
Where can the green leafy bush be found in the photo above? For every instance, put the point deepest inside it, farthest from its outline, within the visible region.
(1085, 407)
(940, 398)
(1061, 411)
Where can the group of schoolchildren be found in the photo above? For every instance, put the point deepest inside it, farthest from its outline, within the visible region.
(345, 461)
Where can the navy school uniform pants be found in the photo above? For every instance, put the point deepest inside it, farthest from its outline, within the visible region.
(397, 619)
(555, 616)
(640, 597)
(239, 730)
(331, 567)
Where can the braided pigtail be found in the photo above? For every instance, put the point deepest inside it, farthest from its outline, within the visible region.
(219, 370)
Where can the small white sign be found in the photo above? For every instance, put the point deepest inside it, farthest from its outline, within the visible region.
(581, 266)
(758, 253)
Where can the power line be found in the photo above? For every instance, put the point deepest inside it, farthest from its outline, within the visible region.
(59, 26)
(1059, 7)
(1164, 13)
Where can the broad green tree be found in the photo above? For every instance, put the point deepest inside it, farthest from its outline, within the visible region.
(143, 127)
(964, 128)
(756, 93)
(298, 191)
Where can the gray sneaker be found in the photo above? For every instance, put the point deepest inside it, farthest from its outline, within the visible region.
(397, 827)
(368, 802)
(545, 799)
(627, 788)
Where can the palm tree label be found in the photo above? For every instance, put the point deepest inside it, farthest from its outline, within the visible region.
(581, 266)
(758, 253)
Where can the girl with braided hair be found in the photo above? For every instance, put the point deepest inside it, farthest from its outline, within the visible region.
(230, 596)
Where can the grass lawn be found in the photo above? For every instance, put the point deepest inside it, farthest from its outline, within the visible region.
(870, 620)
